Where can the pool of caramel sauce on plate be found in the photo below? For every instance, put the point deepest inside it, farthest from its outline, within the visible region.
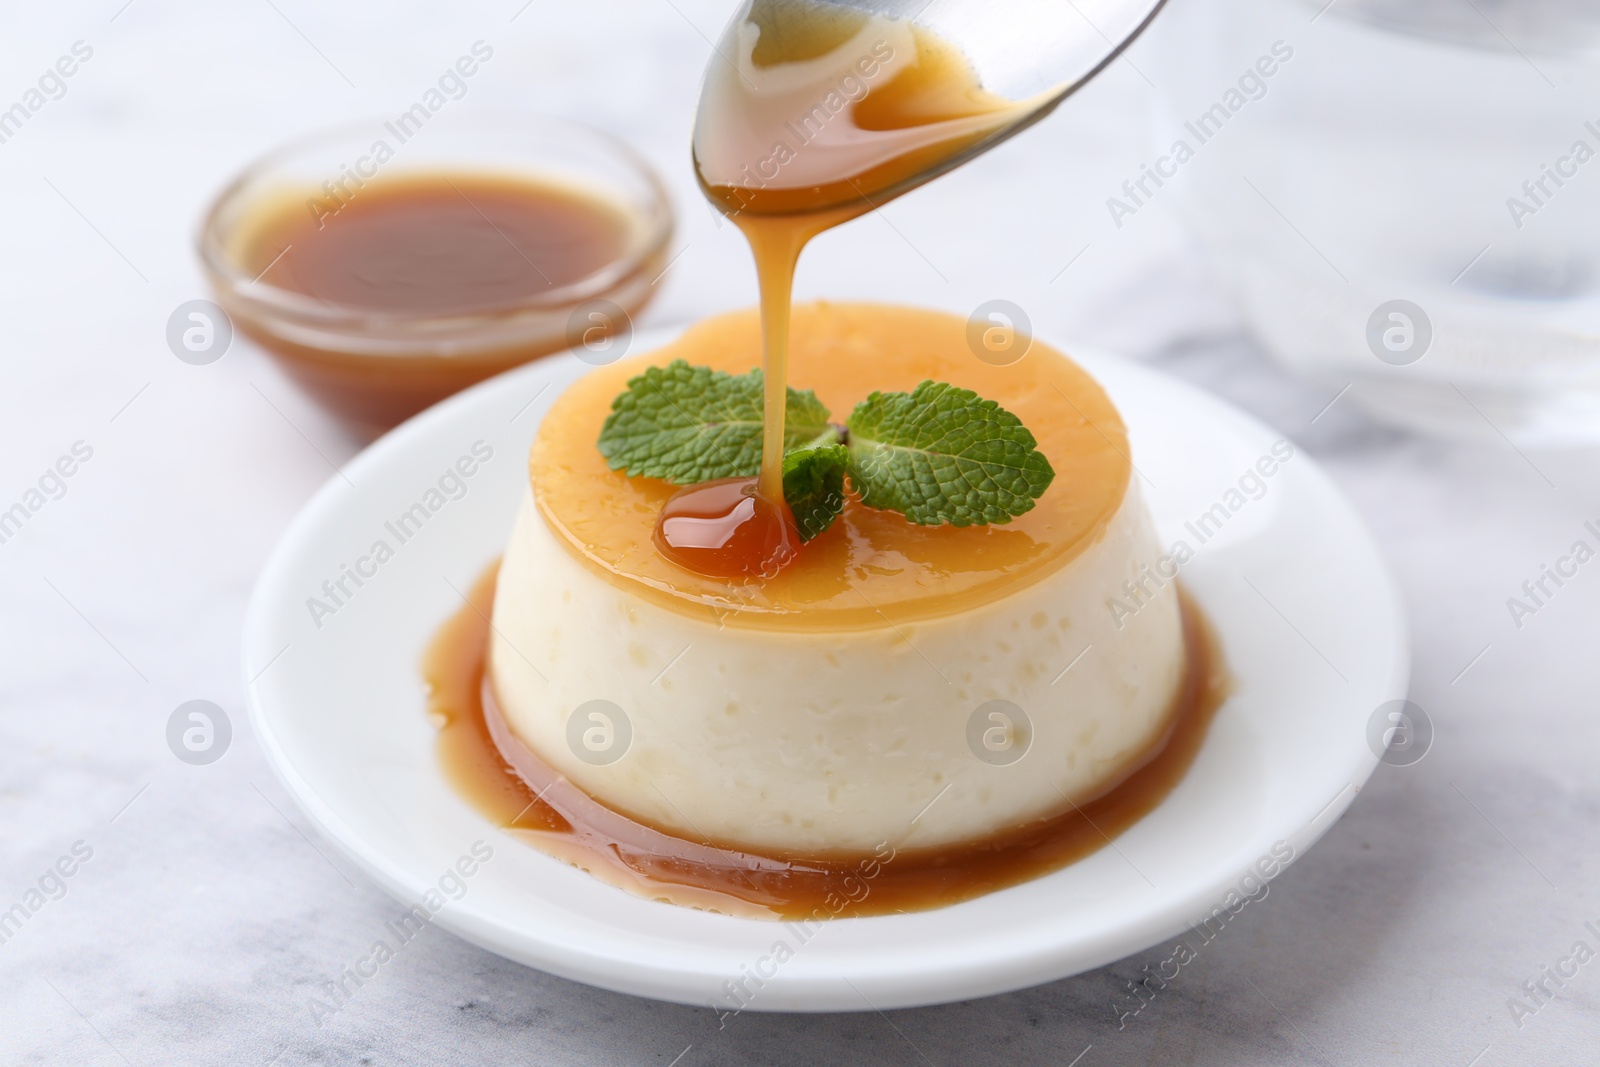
(512, 788)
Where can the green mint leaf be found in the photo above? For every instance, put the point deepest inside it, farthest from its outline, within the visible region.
(813, 486)
(940, 454)
(690, 424)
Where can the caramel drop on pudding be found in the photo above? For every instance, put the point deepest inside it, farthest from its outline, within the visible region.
(727, 529)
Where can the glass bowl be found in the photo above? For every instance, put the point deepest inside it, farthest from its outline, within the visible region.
(1370, 185)
(375, 367)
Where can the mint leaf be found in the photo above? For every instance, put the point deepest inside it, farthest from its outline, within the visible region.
(813, 486)
(690, 424)
(941, 454)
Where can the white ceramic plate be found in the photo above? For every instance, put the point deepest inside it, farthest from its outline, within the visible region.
(1310, 623)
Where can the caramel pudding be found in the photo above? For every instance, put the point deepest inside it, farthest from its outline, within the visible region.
(825, 709)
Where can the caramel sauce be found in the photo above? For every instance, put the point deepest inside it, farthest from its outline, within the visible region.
(429, 283)
(495, 772)
(786, 147)
(727, 529)
(870, 565)
(440, 245)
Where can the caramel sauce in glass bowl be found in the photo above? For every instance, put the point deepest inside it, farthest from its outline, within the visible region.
(387, 275)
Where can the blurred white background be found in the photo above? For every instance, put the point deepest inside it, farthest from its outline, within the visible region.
(207, 917)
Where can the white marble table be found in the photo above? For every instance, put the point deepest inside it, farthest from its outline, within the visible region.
(209, 913)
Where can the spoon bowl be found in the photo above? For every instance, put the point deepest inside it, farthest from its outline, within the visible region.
(816, 106)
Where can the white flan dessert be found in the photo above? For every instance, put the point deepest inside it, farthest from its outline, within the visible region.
(830, 708)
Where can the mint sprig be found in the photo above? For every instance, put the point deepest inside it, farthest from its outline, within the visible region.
(688, 424)
(938, 454)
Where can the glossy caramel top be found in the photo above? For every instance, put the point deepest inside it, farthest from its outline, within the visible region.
(871, 567)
